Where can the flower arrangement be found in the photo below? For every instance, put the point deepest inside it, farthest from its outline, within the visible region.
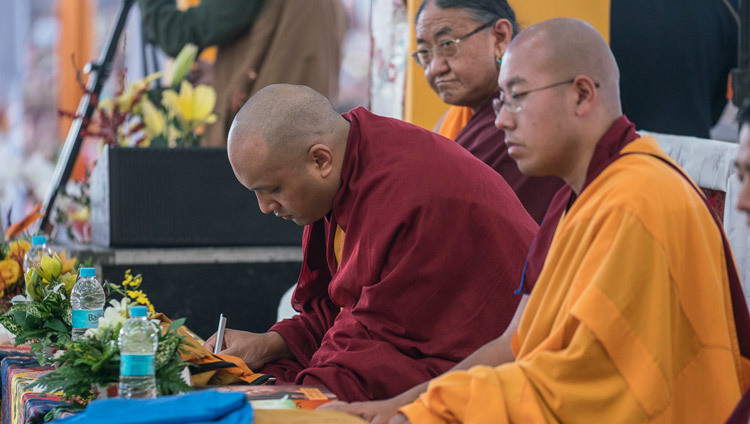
(141, 114)
(95, 358)
(13, 248)
(144, 115)
(43, 317)
(11, 270)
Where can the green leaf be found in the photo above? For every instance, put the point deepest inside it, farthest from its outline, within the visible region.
(20, 317)
(176, 324)
(56, 325)
(32, 321)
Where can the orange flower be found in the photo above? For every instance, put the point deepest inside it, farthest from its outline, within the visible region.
(67, 264)
(10, 271)
(16, 229)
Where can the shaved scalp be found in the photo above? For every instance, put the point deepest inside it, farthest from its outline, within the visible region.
(287, 118)
(573, 47)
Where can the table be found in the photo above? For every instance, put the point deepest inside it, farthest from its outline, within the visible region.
(18, 372)
(22, 405)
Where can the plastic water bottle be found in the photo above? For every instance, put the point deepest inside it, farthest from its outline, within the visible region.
(37, 250)
(87, 302)
(138, 341)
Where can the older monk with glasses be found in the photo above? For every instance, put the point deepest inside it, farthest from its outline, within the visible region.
(460, 45)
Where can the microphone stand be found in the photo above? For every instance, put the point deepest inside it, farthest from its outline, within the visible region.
(98, 73)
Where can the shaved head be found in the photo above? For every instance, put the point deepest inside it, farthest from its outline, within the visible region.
(562, 85)
(287, 118)
(573, 47)
(287, 145)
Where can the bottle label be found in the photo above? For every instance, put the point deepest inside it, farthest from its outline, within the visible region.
(87, 318)
(136, 364)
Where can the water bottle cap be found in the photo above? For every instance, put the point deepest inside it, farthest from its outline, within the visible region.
(138, 311)
(38, 240)
(87, 272)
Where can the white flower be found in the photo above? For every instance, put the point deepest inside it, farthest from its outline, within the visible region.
(114, 317)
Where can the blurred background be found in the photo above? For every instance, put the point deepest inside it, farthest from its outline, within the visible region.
(43, 46)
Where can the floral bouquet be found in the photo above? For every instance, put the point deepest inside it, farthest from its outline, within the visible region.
(11, 270)
(141, 114)
(43, 317)
(13, 248)
(144, 115)
(94, 359)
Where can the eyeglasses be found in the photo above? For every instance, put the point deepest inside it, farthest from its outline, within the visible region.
(445, 48)
(514, 105)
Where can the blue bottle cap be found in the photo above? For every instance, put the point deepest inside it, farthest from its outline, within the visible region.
(138, 311)
(38, 240)
(87, 272)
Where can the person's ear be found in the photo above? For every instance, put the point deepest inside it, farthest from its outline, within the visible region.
(586, 92)
(502, 31)
(320, 157)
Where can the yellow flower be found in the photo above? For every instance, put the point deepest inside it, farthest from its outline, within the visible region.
(10, 272)
(33, 281)
(193, 106)
(140, 297)
(82, 214)
(67, 264)
(50, 268)
(126, 99)
(69, 280)
(130, 281)
(17, 249)
(154, 120)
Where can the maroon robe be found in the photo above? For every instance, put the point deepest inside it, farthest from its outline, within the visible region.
(435, 241)
(487, 143)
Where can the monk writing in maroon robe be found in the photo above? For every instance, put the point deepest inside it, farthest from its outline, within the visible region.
(412, 246)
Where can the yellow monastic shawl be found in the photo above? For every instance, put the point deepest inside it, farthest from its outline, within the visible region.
(630, 320)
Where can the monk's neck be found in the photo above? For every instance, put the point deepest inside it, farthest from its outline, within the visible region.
(477, 106)
(575, 176)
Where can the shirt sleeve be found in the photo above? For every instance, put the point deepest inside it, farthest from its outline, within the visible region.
(213, 22)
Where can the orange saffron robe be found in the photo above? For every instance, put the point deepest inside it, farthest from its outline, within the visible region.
(630, 320)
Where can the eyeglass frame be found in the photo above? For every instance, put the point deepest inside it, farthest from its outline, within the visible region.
(499, 102)
(442, 45)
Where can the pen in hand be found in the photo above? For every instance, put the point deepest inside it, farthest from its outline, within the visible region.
(220, 333)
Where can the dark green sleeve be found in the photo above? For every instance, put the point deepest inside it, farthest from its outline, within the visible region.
(213, 22)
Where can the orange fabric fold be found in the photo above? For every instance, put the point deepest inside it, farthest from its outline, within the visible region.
(454, 120)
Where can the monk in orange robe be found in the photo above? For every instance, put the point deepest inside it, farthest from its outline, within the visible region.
(635, 315)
